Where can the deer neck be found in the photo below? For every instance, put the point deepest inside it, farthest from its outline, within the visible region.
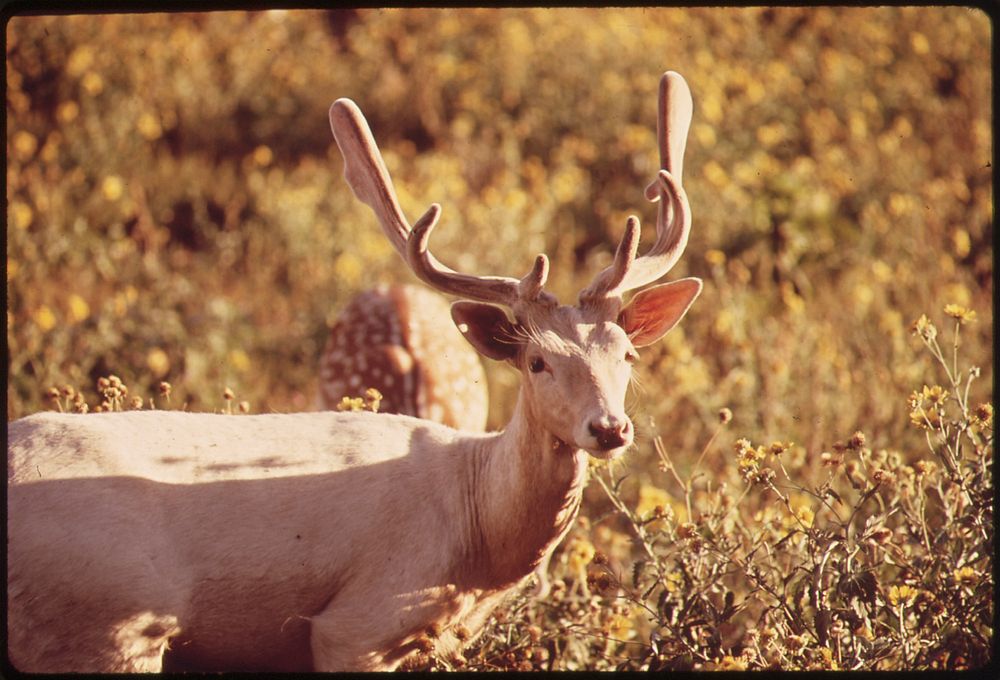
(527, 496)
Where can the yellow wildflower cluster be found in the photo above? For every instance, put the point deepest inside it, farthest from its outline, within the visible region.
(927, 406)
(369, 402)
(749, 458)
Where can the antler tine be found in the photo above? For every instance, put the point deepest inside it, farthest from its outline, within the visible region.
(498, 289)
(366, 174)
(610, 278)
(673, 222)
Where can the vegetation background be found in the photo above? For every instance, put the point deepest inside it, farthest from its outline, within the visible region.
(176, 212)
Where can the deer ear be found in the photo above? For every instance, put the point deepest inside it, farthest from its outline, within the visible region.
(654, 311)
(487, 328)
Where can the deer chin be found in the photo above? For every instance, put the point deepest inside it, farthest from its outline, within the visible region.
(606, 454)
(562, 446)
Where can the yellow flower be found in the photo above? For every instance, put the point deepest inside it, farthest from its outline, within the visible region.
(802, 516)
(902, 596)
(935, 396)
(93, 83)
(715, 174)
(579, 554)
(24, 144)
(263, 156)
(21, 214)
(158, 362)
(67, 112)
(673, 581)
(79, 310)
(920, 43)
(619, 627)
(239, 360)
(960, 313)
(730, 663)
(778, 448)
(966, 576)
(715, 257)
(80, 60)
(961, 242)
(373, 399)
(351, 404)
(112, 187)
(792, 300)
(45, 318)
(651, 497)
(805, 515)
(149, 126)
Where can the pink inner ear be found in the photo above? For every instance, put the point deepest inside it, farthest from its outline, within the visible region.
(654, 311)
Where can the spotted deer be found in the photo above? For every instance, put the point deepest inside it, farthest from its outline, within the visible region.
(333, 541)
(400, 340)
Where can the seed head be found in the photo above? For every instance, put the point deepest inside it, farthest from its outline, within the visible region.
(165, 389)
(857, 441)
(228, 394)
(982, 416)
(883, 476)
(831, 459)
(725, 415)
(765, 477)
(881, 535)
(687, 530)
(924, 328)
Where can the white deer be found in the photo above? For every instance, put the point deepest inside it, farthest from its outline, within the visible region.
(334, 541)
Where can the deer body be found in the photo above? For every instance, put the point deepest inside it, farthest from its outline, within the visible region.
(334, 557)
(333, 541)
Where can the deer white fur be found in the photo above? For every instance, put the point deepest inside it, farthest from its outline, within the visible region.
(333, 541)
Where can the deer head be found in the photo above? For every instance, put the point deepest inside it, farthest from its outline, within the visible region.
(574, 359)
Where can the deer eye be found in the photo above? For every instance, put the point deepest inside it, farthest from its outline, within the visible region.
(536, 365)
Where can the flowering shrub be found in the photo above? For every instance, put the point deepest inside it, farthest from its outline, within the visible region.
(176, 216)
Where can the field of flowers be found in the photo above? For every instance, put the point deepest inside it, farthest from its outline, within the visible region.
(812, 484)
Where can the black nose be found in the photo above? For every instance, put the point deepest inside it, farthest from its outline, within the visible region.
(610, 433)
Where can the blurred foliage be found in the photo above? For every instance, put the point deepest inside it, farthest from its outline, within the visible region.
(176, 210)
